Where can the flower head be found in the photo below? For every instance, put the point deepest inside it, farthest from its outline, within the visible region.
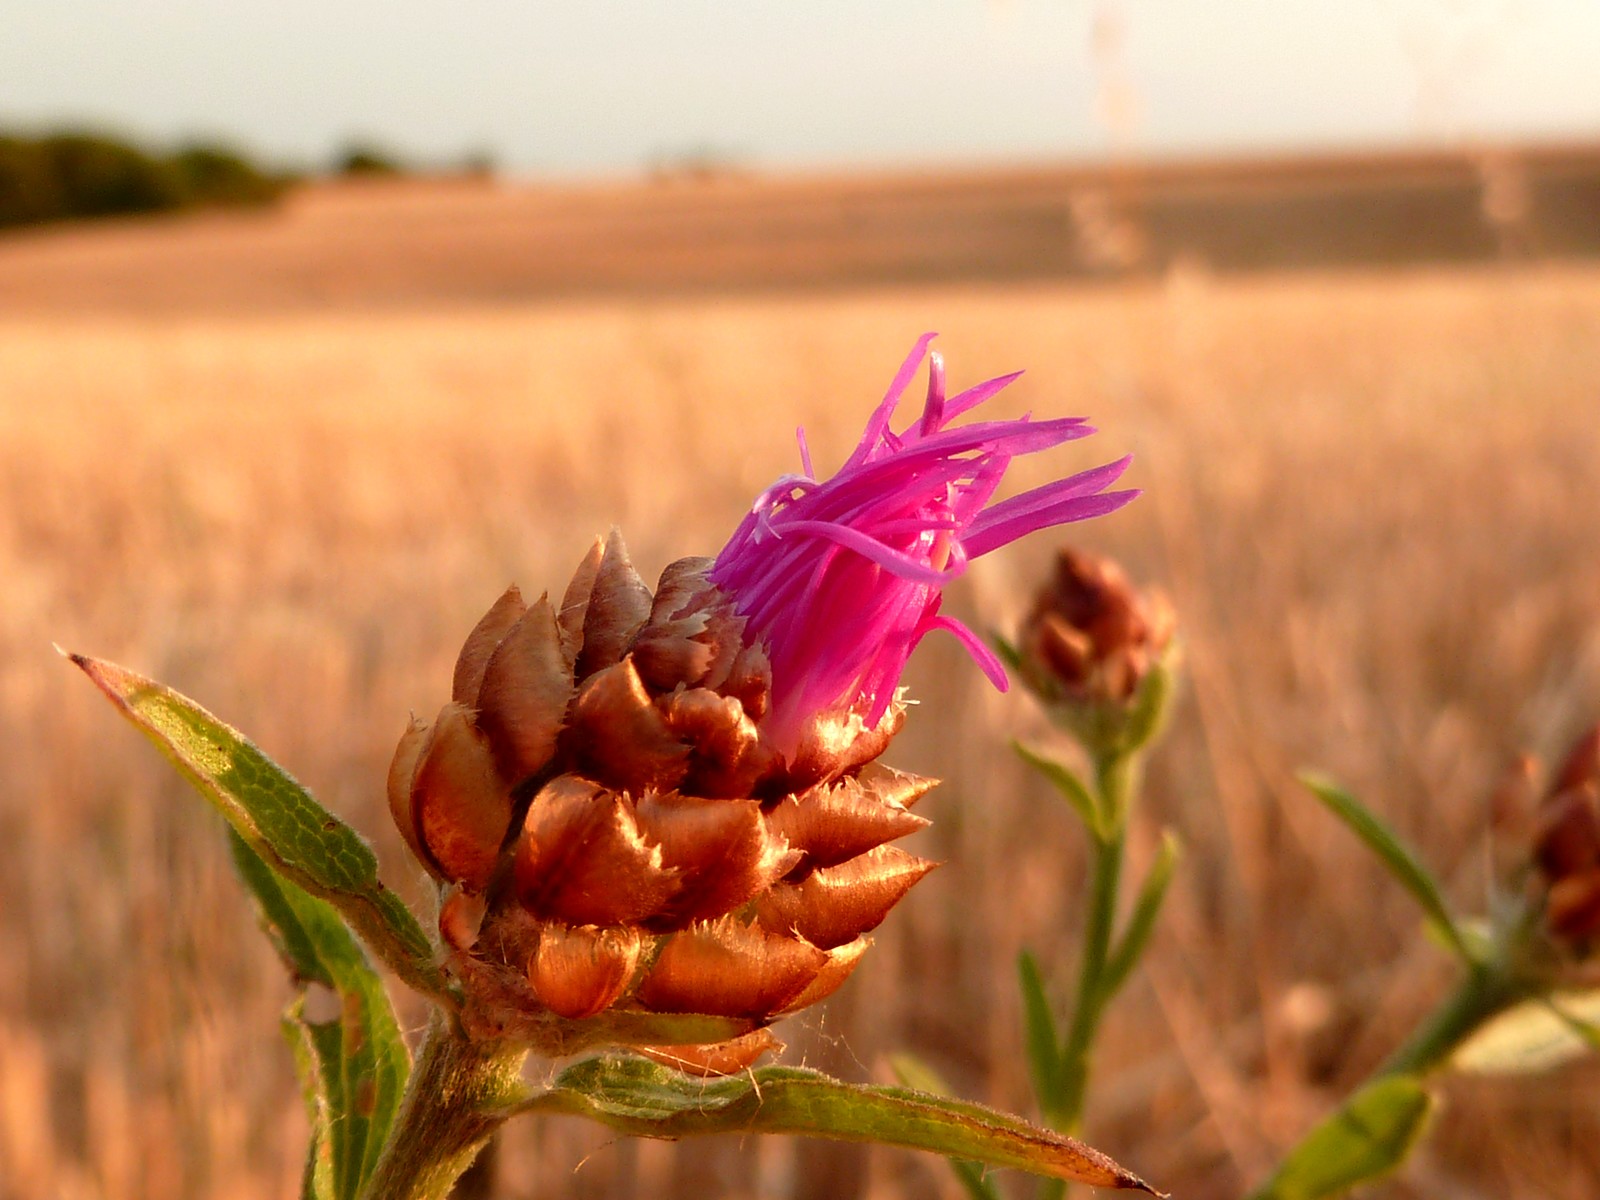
(840, 578)
(648, 804)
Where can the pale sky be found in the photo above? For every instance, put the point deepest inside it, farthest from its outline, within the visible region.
(606, 86)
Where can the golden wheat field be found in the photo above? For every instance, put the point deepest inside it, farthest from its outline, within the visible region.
(1373, 497)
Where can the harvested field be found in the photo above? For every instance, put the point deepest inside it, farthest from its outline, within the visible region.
(1373, 497)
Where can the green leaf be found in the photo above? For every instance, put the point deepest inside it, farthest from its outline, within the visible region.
(1136, 935)
(638, 1097)
(1065, 781)
(1044, 1042)
(353, 1061)
(912, 1072)
(1148, 717)
(316, 1181)
(1007, 652)
(277, 817)
(1368, 1137)
(1533, 1036)
(1402, 864)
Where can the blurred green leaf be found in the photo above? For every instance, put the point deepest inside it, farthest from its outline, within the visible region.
(1368, 1137)
(1065, 781)
(1136, 934)
(352, 1059)
(634, 1096)
(912, 1072)
(1148, 717)
(1007, 651)
(277, 817)
(1044, 1041)
(1477, 935)
(1402, 864)
(1534, 1036)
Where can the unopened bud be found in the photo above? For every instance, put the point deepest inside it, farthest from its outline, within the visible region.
(1089, 647)
(1566, 846)
(1092, 635)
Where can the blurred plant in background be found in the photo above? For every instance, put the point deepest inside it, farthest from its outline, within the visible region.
(1528, 996)
(1099, 656)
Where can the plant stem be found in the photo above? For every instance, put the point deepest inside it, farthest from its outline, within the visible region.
(1063, 1111)
(1487, 990)
(1484, 993)
(458, 1094)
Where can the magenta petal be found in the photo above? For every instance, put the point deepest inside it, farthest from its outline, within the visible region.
(988, 661)
(1074, 508)
(840, 578)
(1039, 503)
(878, 423)
(891, 560)
(805, 452)
(933, 417)
(974, 396)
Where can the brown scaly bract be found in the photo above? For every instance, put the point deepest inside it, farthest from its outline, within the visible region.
(618, 837)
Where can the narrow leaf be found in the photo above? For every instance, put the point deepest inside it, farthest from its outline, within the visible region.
(316, 1181)
(352, 1059)
(1044, 1042)
(1402, 864)
(912, 1072)
(1065, 781)
(1366, 1139)
(1149, 715)
(1142, 920)
(1533, 1036)
(277, 817)
(638, 1097)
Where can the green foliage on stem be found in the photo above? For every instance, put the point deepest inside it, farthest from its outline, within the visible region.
(635, 1096)
(912, 1072)
(1401, 862)
(1070, 787)
(1142, 920)
(1152, 703)
(353, 1062)
(461, 1090)
(276, 817)
(1044, 1040)
(1060, 1062)
(1368, 1137)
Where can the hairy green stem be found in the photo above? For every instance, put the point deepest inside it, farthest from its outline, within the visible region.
(459, 1092)
(1063, 1111)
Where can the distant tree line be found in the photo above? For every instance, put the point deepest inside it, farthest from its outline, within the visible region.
(72, 175)
(64, 176)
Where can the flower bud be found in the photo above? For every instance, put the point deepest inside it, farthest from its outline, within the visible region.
(1090, 647)
(1566, 847)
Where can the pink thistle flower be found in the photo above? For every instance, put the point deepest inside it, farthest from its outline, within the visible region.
(841, 578)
